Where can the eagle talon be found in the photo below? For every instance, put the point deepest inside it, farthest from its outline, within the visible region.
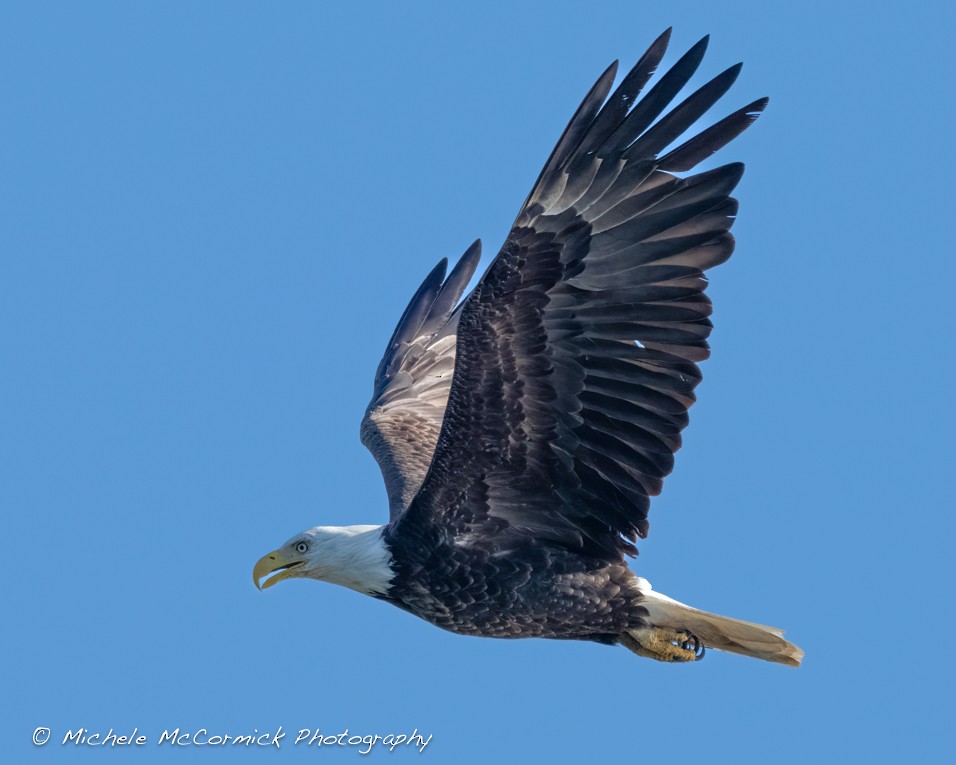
(692, 643)
(663, 644)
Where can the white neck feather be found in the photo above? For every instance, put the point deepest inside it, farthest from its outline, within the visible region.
(352, 556)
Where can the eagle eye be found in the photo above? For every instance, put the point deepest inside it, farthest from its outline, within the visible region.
(302, 547)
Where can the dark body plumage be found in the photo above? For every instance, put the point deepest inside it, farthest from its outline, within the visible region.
(492, 594)
(574, 364)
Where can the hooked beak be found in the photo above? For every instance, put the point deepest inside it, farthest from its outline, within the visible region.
(276, 562)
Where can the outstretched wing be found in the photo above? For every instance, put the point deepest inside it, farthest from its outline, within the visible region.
(577, 352)
(403, 419)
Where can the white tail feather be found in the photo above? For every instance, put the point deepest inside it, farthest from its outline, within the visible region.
(720, 632)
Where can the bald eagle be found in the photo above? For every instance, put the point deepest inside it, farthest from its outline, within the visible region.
(522, 431)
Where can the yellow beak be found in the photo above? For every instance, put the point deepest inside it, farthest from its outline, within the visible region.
(276, 561)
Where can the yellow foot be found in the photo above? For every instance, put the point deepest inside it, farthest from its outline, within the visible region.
(663, 644)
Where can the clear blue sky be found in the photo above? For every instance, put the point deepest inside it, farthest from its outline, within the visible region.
(212, 215)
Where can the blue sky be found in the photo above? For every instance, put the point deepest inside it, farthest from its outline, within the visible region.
(213, 214)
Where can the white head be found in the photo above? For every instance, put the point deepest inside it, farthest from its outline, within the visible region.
(353, 556)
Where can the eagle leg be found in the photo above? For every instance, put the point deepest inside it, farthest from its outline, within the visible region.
(663, 644)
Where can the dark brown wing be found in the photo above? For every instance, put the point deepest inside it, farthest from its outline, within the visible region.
(577, 352)
(404, 417)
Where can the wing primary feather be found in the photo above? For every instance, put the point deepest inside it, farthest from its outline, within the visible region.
(681, 117)
(713, 139)
(453, 288)
(650, 107)
(415, 313)
(577, 127)
(621, 101)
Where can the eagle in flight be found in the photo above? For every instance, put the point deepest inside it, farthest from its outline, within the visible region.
(522, 431)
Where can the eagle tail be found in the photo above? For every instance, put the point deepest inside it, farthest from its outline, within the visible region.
(720, 632)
